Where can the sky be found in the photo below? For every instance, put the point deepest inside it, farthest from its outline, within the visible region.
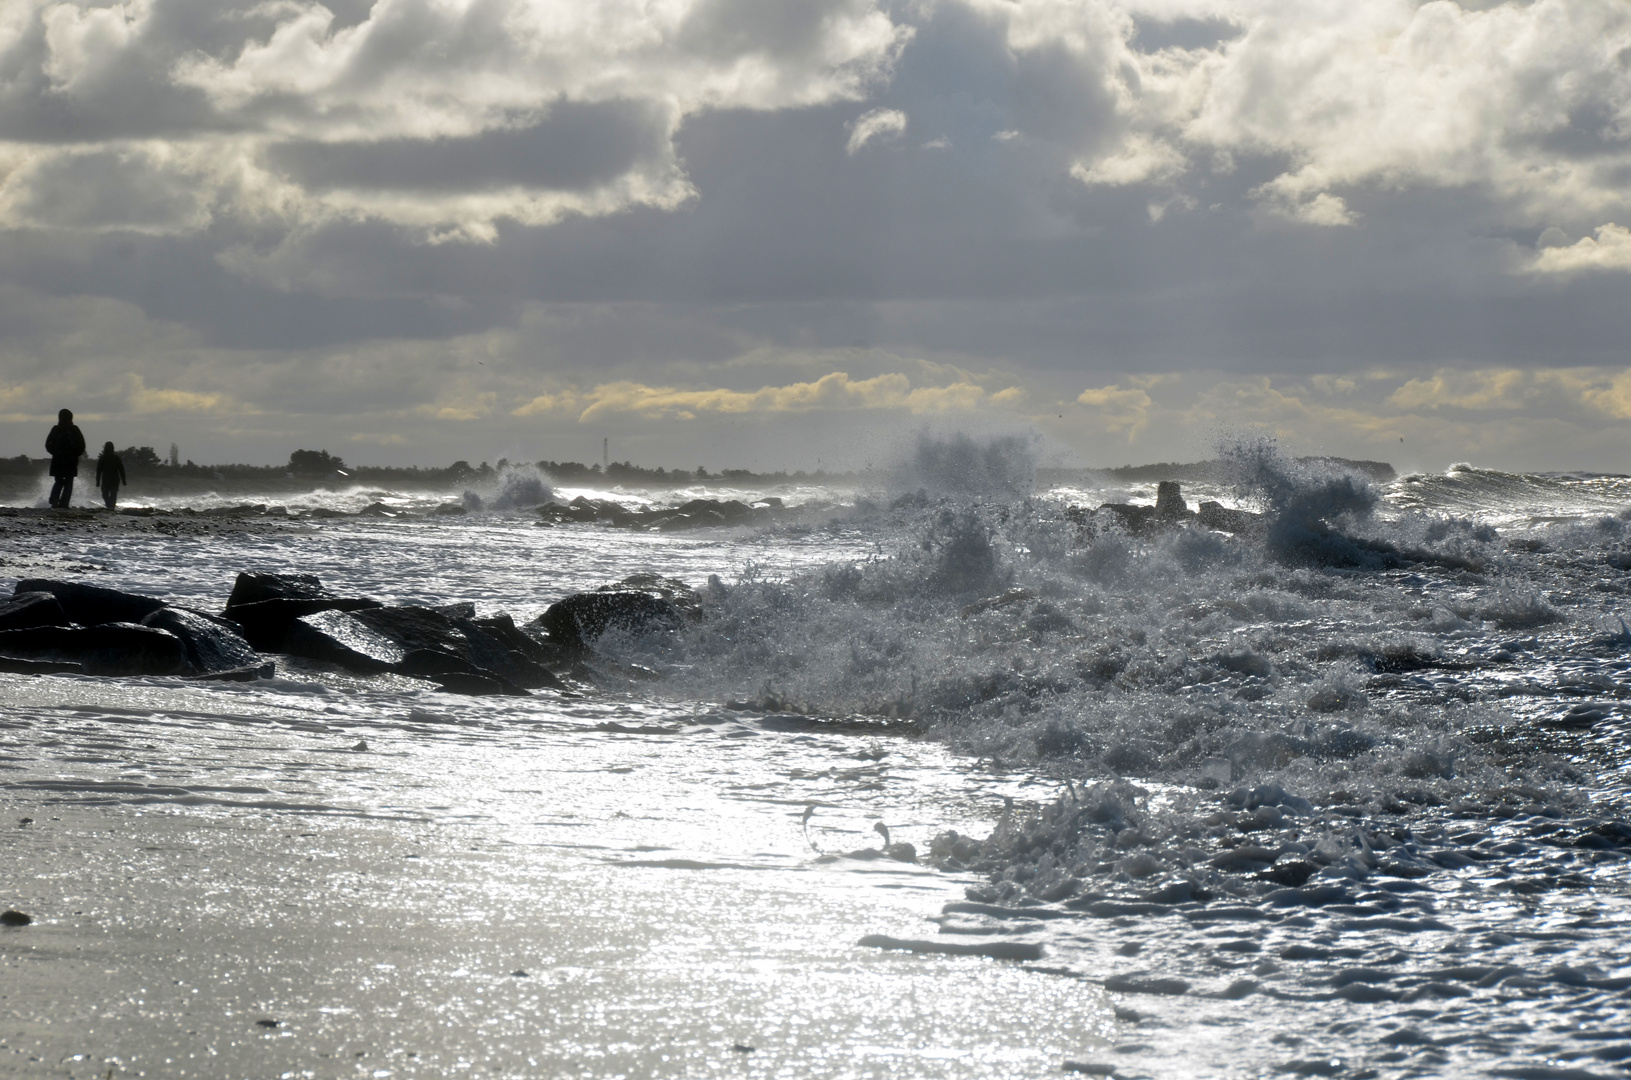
(753, 234)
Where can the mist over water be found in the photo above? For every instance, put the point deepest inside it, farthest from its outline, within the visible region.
(1339, 791)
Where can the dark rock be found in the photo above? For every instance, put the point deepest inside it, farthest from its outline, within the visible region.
(1215, 515)
(577, 621)
(338, 637)
(12, 665)
(15, 918)
(675, 591)
(456, 674)
(1169, 500)
(502, 627)
(212, 644)
(116, 648)
(476, 685)
(461, 610)
(429, 630)
(578, 509)
(242, 674)
(26, 610)
(1132, 517)
(267, 605)
(254, 587)
(91, 605)
(453, 509)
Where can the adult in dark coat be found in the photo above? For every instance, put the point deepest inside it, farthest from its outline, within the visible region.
(66, 446)
(110, 473)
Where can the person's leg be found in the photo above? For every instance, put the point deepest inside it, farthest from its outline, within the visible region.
(110, 495)
(67, 491)
(56, 491)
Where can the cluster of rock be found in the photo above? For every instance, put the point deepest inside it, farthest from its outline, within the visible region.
(67, 627)
(1169, 510)
(691, 515)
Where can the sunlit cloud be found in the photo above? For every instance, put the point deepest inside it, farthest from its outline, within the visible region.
(835, 391)
(1610, 249)
(879, 125)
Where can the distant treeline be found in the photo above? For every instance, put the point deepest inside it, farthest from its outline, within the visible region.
(321, 465)
(144, 461)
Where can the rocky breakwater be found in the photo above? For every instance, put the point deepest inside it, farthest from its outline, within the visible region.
(1169, 511)
(60, 627)
(67, 627)
(697, 513)
(296, 615)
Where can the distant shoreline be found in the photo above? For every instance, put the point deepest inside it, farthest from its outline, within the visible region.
(17, 472)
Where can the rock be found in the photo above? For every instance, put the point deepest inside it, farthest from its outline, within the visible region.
(212, 644)
(242, 674)
(92, 605)
(26, 610)
(1215, 515)
(577, 621)
(457, 675)
(267, 605)
(476, 685)
(1169, 500)
(1133, 517)
(252, 587)
(421, 629)
(461, 610)
(503, 628)
(116, 648)
(577, 510)
(12, 665)
(15, 918)
(453, 509)
(338, 637)
(675, 591)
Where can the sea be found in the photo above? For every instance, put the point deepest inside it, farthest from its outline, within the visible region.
(1340, 793)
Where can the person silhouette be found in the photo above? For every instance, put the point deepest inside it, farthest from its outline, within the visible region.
(66, 445)
(110, 473)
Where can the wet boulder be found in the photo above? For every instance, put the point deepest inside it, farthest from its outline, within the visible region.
(114, 648)
(539, 650)
(1215, 515)
(92, 605)
(425, 629)
(26, 610)
(578, 621)
(456, 675)
(266, 606)
(676, 592)
(213, 645)
(338, 637)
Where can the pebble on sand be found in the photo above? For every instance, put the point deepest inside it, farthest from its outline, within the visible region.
(15, 918)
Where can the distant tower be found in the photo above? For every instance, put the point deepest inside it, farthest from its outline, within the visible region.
(175, 456)
(605, 454)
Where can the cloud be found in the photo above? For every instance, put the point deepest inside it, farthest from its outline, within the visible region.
(1527, 102)
(879, 125)
(1609, 250)
(144, 401)
(441, 117)
(1124, 410)
(1500, 389)
(835, 391)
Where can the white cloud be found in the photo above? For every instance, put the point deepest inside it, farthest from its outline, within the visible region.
(1609, 250)
(880, 125)
(255, 87)
(1530, 102)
